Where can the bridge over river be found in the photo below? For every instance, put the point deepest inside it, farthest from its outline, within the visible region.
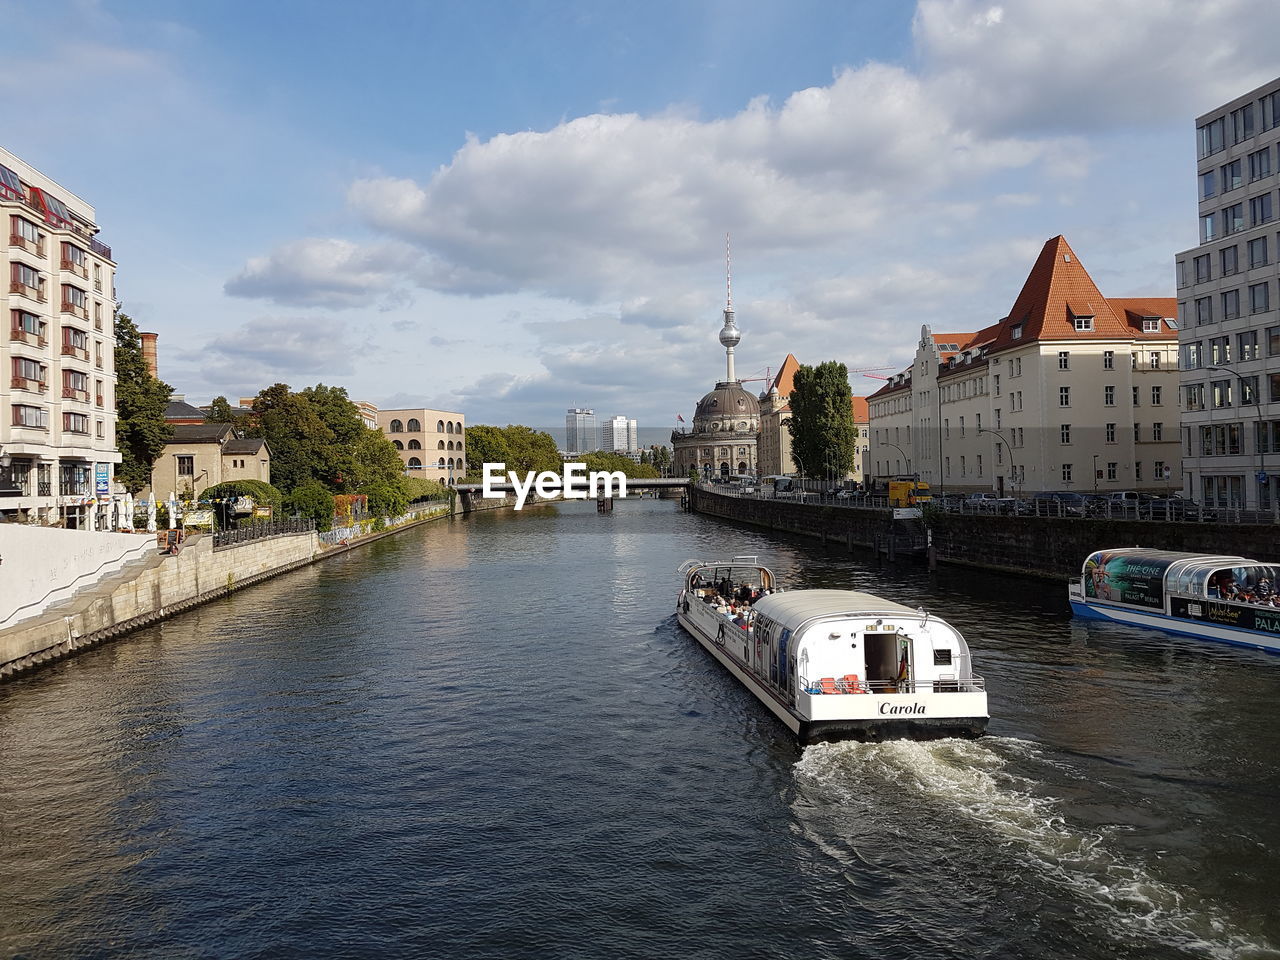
(470, 491)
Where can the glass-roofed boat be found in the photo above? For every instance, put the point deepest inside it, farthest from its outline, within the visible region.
(1224, 598)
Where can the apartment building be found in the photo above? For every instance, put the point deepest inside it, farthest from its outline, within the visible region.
(430, 442)
(57, 406)
(1228, 308)
(580, 434)
(620, 435)
(1070, 391)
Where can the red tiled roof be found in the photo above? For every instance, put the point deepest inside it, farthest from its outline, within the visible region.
(785, 379)
(1057, 290)
(861, 414)
(1136, 309)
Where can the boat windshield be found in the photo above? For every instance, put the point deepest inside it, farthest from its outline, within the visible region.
(1249, 583)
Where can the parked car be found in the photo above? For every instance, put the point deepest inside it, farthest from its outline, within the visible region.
(1059, 503)
(1173, 508)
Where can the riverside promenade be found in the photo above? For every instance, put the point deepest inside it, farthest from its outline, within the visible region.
(154, 584)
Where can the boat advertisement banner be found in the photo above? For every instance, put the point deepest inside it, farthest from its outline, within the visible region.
(1130, 578)
(1239, 616)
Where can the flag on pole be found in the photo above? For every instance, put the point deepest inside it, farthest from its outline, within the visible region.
(679, 418)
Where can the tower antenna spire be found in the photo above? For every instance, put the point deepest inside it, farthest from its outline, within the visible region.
(728, 274)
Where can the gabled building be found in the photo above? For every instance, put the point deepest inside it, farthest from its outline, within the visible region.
(775, 437)
(1070, 391)
(201, 455)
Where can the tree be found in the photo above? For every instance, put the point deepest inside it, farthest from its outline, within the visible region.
(311, 500)
(531, 450)
(220, 411)
(260, 491)
(823, 435)
(604, 460)
(141, 430)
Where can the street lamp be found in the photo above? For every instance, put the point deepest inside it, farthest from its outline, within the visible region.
(1261, 475)
(1013, 469)
(905, 458)
(1095, 473)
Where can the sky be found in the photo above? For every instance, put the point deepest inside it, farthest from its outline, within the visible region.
(508, 209)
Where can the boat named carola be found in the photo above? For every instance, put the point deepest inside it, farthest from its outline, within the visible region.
(833, 664)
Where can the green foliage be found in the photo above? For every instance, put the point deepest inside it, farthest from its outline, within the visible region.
(141, 431)
(318, 436)
(660, 457)
(521, 448)
(420, 488)
(386, 498)
(260, 491)
(823, 435)
(220, 411)
(693, 475)
(603, 460)
(311, 500)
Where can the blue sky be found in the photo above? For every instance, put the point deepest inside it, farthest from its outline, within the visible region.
(509, 209)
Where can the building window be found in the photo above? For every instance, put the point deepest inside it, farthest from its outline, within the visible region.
(1231, 178)
(1259, 164)
(1259, 298)
(1219, 350)
(1275, 387)
(1157, 393)
(1233, 218)
(962, 426)
(1109, 396)
(414, 444)
(1111, 433)
(1260, 210)
(75, 423)
(25, 416)
(1273, 341)
(1157, 472)
(1207, 185)
(1208, 227)
(1112, 469)
(1151, 325)
(397, 426)
(1248, 390)
(1064, 396)
(1016, 332)
(1137, 433)
(1212, 137)
(1242, 123)
(1108, 359)
(1064, 433)
(1230, 260)
(1064, 360)
(1204, 310)
(995, 384)
(1066, 473)
(1204, 272)
(186, 466)
(1153, 361)
(414, 426)
(1221, 390)
(26, 277)
(1193, 355)
(1258, 252)
(1230, 304)
(101, 431)
(1195, 396)
(1136, 396)
(1084, 323)
(1247, 345)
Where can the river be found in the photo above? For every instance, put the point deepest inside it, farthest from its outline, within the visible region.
(487, 737)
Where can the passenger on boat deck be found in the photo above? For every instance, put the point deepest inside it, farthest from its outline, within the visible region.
(744, 594)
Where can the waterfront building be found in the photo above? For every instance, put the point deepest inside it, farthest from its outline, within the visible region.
(202, 455)
(1070, 391)
(368, 413)
(1229, 308)
(57, 406)
(775, 437)
(621, 435)
(430, 442)
(580, 431)
(724, 435)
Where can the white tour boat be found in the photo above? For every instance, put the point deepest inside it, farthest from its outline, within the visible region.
(1228, 599)
(833, 664)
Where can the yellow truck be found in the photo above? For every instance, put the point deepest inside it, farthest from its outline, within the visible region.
(908, 493)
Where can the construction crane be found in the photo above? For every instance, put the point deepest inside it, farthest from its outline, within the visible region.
(768, 374)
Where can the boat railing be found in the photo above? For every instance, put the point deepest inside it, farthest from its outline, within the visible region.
(851, 684)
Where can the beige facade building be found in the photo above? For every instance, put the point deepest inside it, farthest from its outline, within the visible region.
(1229, 308)
(775, 437)
(430, 442)
(57, 401)
(202, 455)
(1071, 391)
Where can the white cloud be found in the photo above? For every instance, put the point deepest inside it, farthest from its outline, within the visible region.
(323, 272)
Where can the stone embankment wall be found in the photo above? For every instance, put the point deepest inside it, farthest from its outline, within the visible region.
(1039, 546)
(157, 587)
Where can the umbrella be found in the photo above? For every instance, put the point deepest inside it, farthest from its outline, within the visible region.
(151, 514)
(128, 511)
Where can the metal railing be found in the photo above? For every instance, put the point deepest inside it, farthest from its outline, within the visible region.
(851, 684)
(260, 531)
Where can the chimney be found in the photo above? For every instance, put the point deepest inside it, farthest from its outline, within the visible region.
(149, 353)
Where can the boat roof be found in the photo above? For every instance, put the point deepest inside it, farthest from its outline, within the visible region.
(805, 604)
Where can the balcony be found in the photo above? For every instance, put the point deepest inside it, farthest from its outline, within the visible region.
(79, 269)
(33, 386)
(18, 424)
(97, 286)
(22, 243)
(23, 335)
(73, 488)
(70, 350)
(100, 248)
(31, 293)
(101, 400)
(76, 310)
(71, 393)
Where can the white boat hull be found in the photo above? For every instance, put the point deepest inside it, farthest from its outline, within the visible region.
(1154, 619)
(868, 716)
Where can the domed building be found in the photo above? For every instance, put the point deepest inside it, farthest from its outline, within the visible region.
(723, 437)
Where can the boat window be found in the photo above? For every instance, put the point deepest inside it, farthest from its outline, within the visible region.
(1250, 583)
(942, 656)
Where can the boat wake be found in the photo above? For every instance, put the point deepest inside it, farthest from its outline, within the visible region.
(972, 779)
